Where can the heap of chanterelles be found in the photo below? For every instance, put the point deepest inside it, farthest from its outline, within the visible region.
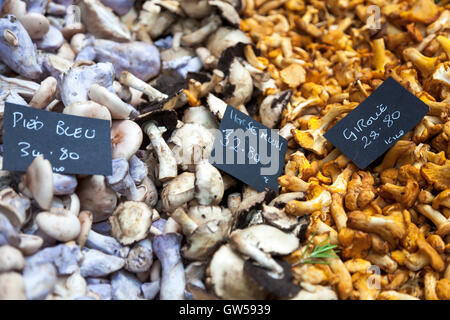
(390, 221)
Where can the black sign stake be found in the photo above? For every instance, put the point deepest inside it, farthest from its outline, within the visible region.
(377, 123)
(248, 150)
(73, 145)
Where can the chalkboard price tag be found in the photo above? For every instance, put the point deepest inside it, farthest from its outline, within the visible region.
(73, 145)
(377, 123)
(248, 150)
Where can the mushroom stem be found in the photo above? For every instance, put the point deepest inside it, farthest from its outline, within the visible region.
(167, 161)
(187, 224)
(117, 108)
(167, 249)
(130, 80)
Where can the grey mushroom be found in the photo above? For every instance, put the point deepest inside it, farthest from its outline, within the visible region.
(52, 40)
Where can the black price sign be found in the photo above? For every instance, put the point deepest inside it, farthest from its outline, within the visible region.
(377, 123)
(73, 145)
(248, 150)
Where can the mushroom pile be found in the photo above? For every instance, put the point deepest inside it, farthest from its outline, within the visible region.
(389, 223)
(166, 224)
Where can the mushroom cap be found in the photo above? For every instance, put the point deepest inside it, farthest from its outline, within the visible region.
(225, 274)
(200, 115)
(59, 224)
(102, 22)
(163, 118)
(36, 24)
(126, 138)
(15, 206)
(131, 222)
(278, 218)
(224, 38)
(214, 224)
(29, 243)
(89, 109)
(208, 183)
(178, 191)
(269, 239)
(193, 142)
(14, 215)
(39, 181)
(97, 197)
(283, 287)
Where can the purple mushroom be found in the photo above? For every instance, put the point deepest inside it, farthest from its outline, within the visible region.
(173, 282)
(64, 184)
(16, 48)
(139, 58)
(75, 83)
(52, 40)
(121, 7)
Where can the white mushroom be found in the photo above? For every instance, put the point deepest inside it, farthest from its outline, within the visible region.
(11, 259)
(209, 186)
(131, 222)
(117, 108)
(12, 286)
(192, 143)
(45, 94)
(130, 80)
(89, 109)
(126, 138)
(178, 191)
(167, 160)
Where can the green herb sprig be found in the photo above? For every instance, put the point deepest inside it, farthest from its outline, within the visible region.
(318, 253)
